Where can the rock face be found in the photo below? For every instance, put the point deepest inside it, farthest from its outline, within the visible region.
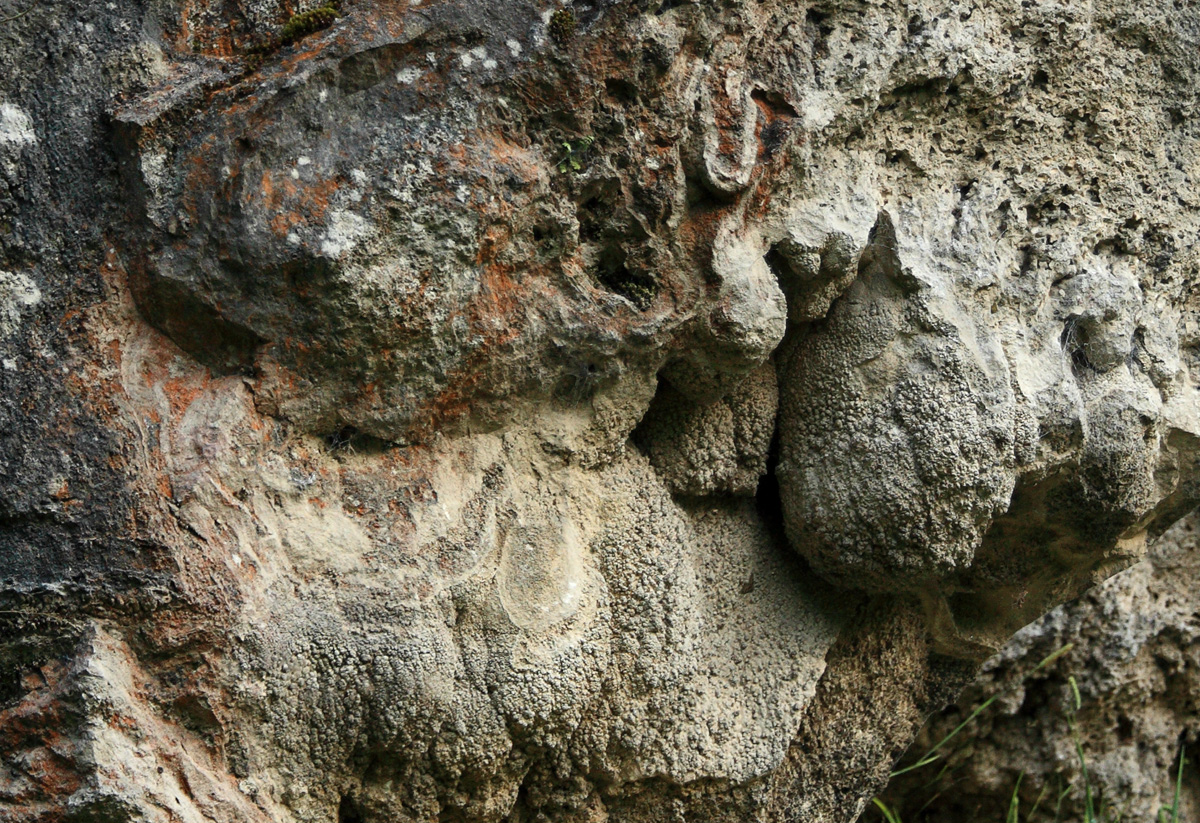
(1134, 656)
(508, 411)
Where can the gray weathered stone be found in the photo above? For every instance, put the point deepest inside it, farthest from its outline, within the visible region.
(512, 410)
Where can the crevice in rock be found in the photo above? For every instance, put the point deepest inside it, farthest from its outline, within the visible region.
(621, 90)
(774, 102)
(767, 501)
(637, 286)
(1074, 342)
(349, 440)
(348, 811)
(214, 341)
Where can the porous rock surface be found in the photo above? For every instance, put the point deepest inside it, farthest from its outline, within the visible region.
(1132, 647)
(610, 411)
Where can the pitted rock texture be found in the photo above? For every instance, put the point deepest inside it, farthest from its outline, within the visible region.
(1134, 656)
(517, 411)
(719, 447)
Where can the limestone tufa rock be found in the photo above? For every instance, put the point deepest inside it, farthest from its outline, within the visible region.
(447, 417)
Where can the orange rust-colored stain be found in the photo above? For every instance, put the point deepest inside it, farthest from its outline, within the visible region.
(31, 733)
(201, 174)
(181, 392)
(493, 315)
(123, 722)
(283, 222)
(294, 202)
(53, 774)
(52, 672)
(494, 238)
(497, 298)
(765, 184)
(728, 124)
(32, 679)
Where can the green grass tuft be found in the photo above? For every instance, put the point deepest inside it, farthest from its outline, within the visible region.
(1096, 807)
(1170, 814)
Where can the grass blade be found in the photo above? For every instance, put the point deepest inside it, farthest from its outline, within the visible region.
(1174, 810)
(1075, 693)
(1041, 796)
(1058, 803)
(888, 815)
(1050, 658)
(1089, 803)
(1014, 803)
(932, 755)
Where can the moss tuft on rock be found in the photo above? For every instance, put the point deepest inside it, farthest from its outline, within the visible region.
(562, 27)
(305, 23)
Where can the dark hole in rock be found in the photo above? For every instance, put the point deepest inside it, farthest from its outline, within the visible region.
(1074, 342)
(778, 264)
(620, 89)
(667, 5)
(700, 199)
(766, 498)
(638, 287)
(774, 101)
(595, 211)
(1027, 260)
(348, 811)
(195, 713)
(350, 440)
(546, 240)
(818, 21)
(917, 92)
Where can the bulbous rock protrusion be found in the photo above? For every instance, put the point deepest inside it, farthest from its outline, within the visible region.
(895, 443)
(993, 472)
(813, 277)
(746, 324)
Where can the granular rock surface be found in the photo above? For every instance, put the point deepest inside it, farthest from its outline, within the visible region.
(1131, 646)
(498, 410)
